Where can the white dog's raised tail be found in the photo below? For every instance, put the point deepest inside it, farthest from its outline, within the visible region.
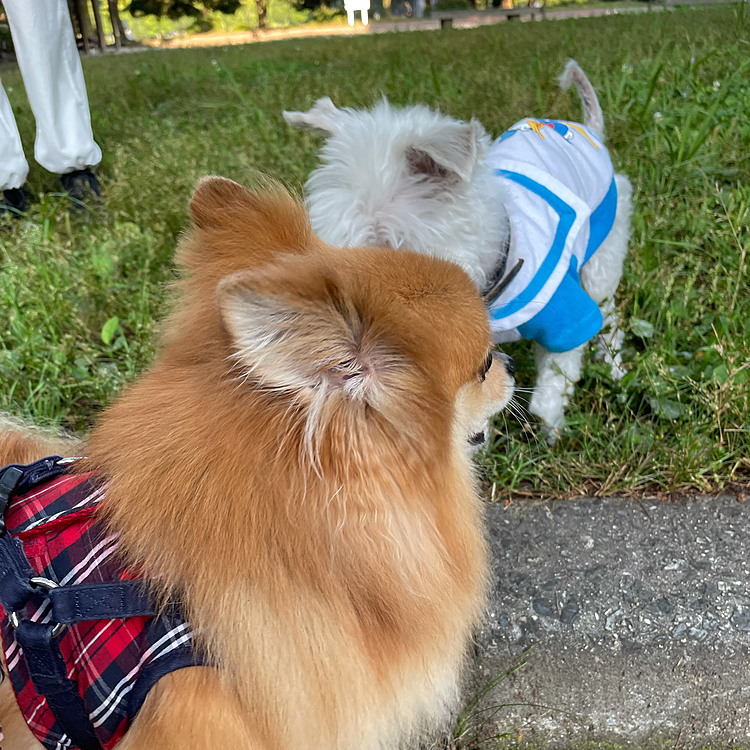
(592, 112)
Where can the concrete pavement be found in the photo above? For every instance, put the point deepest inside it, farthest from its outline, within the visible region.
(637, 615)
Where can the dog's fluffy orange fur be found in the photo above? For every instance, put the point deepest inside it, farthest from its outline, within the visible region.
(294, 470)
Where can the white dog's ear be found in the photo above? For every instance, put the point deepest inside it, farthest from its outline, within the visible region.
(448, 152)
(322, 118)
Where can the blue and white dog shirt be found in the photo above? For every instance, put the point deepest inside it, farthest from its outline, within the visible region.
(560, 195)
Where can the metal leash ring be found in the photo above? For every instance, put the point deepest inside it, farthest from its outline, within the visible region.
(44, 583)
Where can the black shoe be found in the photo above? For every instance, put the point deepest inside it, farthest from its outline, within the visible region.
(14, 202)
(82, 187)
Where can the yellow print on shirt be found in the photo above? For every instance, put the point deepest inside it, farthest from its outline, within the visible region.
(562, 127)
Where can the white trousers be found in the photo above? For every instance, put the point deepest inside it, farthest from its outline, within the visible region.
(51, 68)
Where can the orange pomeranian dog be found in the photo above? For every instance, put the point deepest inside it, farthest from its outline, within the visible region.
(293, 478)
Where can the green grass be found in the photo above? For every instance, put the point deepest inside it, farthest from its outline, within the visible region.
(675, 95)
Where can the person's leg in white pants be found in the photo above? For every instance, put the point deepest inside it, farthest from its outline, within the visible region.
(53, 77)
(13, 164)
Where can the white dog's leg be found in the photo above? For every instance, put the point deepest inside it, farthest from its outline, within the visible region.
(557, 374)
(609, 341)
(601, 277)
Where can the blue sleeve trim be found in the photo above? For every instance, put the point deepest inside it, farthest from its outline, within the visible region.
(568, 320)
(567, 216)
(602, 220)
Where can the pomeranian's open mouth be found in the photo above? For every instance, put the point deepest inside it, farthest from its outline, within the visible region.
(477, 438)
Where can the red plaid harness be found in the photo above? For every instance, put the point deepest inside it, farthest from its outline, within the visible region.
(82, 685)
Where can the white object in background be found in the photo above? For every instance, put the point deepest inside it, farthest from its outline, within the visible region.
(361, 5)
(52, 74)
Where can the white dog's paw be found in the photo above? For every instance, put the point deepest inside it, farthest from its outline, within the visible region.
(550, 435)
(608, 351)
(618, 371)
(549, 407)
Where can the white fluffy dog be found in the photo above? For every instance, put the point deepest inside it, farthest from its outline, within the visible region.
(538, 220)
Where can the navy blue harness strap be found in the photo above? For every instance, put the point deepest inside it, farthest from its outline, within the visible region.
(15, 574)
(100, 601)
(49, 676)
(16, 479)
(93, 601)
(36, 473)
(9, 478)
(40, 471)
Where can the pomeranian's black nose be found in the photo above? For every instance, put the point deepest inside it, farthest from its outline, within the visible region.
(510, 365)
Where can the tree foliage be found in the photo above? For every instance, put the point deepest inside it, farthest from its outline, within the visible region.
(179, 8)
(322, 10)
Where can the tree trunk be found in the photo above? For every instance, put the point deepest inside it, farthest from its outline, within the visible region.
(99, 27)
(114, 17)
(262, 14)
(82, 21)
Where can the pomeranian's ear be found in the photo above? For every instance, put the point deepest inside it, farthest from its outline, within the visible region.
(214, 197)
(448, 152)
(292, 337)
(322, 118)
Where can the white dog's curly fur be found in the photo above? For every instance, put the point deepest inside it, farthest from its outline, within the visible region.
(418, 179)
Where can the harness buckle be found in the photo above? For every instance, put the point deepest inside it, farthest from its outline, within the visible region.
(48, 585)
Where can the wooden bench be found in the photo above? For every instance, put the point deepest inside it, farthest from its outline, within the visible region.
(511, 14)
